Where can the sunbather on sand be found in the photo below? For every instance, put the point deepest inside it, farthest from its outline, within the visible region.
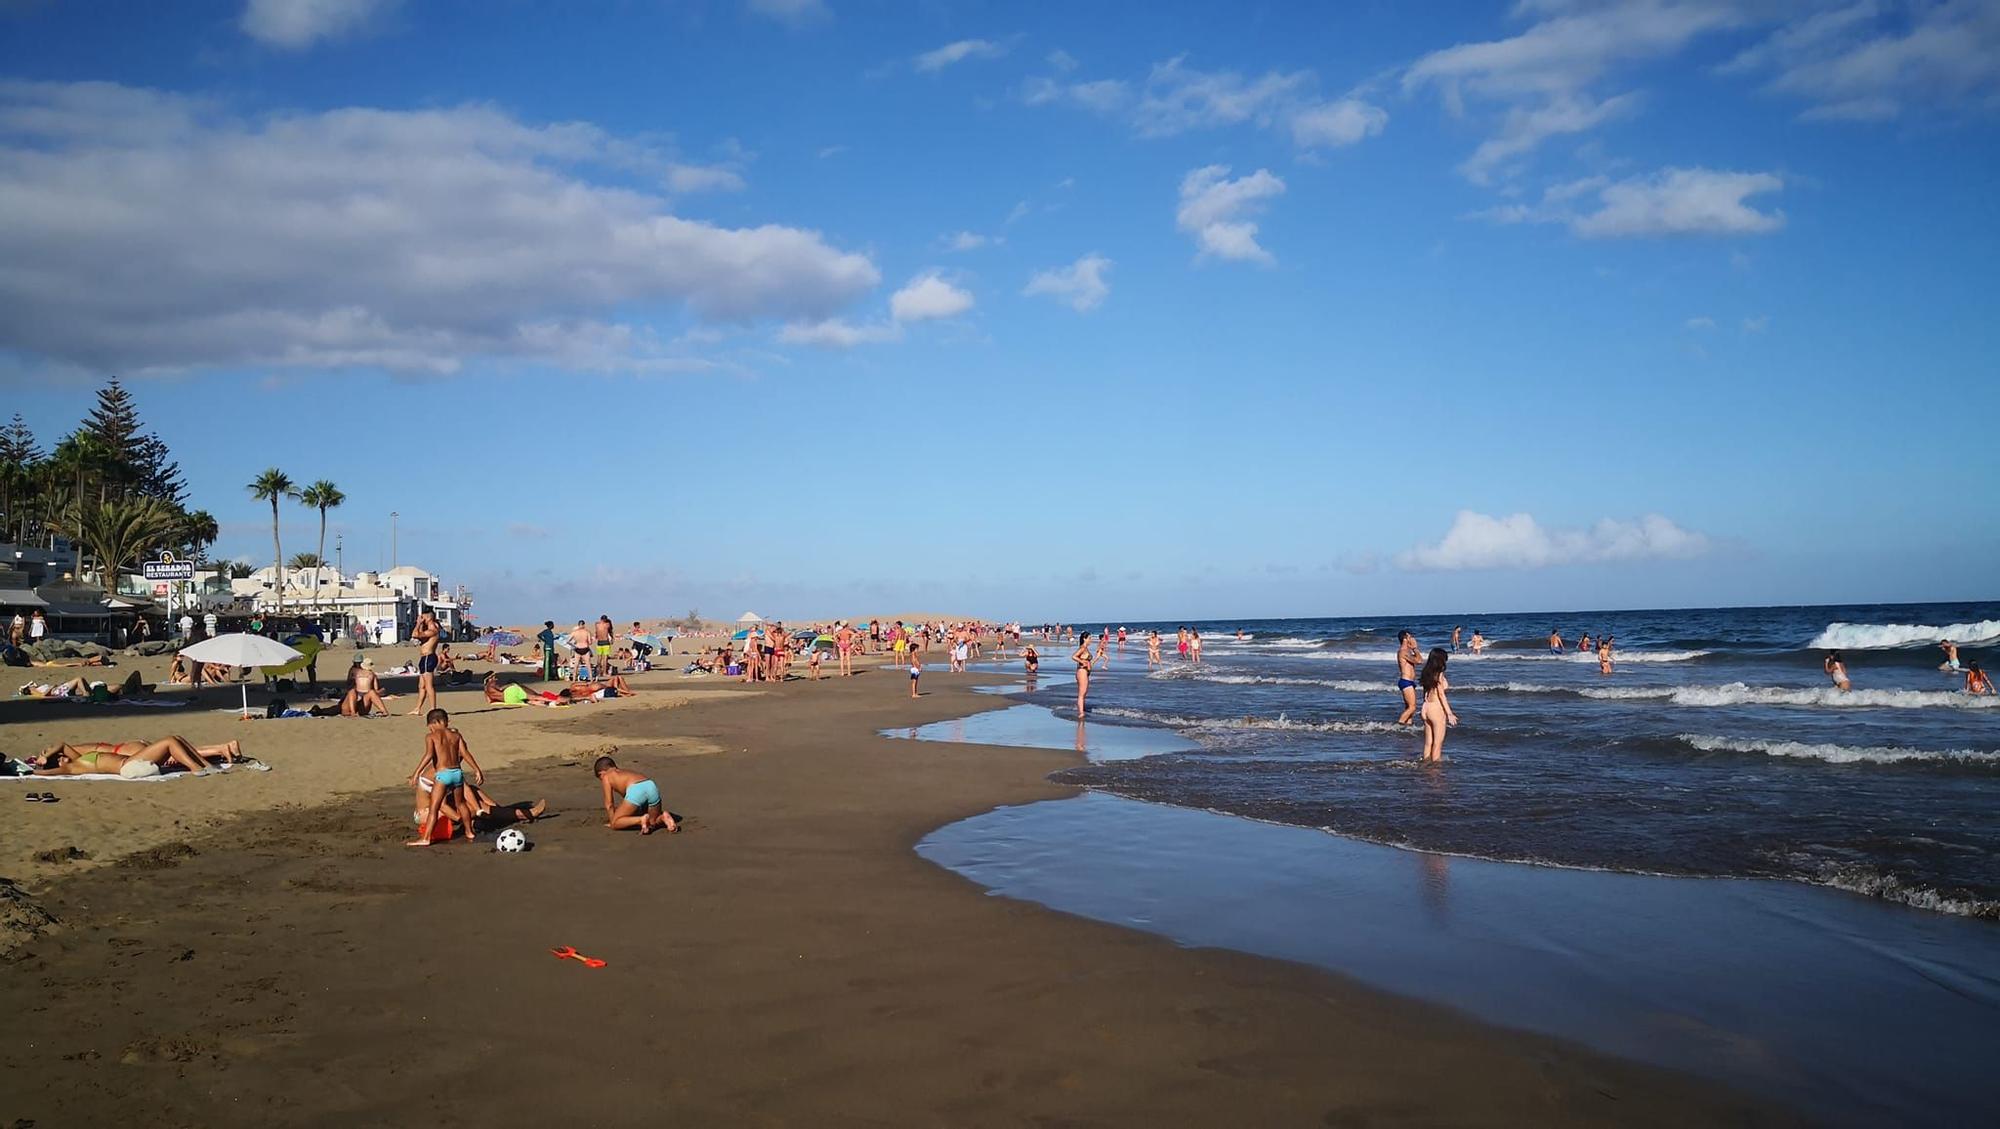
(80, 687)
(134, 760)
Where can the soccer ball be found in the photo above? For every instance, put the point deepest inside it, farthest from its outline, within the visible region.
(511, 841)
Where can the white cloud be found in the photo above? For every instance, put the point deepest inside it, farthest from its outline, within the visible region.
(1176, 98)
(937, 59)
(1700, 323)
(410, 240)
(1061, 60)
(689, 179)
(1213, 210)
(1016, 213)
(1081, 284)
(1873, 61)
(836, 333)
(1542, 76)
(928, 297)
(965, 241)
(296, 24)
(1481, 541)
(1757, 324)
(1333, 124)
(1526, 127)
(1682, 202)
(797, 13)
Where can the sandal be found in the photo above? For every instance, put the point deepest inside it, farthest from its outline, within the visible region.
(33, 797)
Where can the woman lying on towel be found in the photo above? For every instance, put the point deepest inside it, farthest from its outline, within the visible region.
(133, 760)
(93, 691)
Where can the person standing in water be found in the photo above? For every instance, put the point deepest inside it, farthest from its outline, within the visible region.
(1152, 648)
(1081, 656)
(1950, 664)
(1103, 646)
(1556, 642)
(1407, 657)
(1837, 670)
(1456, 632)
(1604, 655)
(1437, 706)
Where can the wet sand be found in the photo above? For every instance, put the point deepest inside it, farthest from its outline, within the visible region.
(787, 959)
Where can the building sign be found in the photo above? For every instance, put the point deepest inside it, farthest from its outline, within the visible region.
(159, 591)
(167, 568)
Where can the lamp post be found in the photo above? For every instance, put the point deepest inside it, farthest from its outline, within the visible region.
(393, 562)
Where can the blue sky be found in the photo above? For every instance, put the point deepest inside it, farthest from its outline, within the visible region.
(1128, 310)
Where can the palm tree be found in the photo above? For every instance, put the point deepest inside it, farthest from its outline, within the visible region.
(118, 530)
(199, 531)
(322, 496)
(274, 486)
(303, 561)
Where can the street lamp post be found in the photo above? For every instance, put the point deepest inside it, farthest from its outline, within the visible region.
(393, 562)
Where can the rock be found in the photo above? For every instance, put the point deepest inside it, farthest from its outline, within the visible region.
(151, 647)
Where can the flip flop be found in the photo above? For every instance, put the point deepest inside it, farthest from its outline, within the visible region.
(33, 797)
(51, 798)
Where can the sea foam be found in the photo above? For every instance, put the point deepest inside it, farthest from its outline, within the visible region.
(1838, 754)
(1881, 636)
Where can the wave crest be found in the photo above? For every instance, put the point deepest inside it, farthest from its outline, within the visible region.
(1884, 636)
(1837, 754)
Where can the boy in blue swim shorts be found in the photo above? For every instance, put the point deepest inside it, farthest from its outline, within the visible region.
(447, 753)
(637, 800)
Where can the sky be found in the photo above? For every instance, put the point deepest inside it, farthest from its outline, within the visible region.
(1131, 310)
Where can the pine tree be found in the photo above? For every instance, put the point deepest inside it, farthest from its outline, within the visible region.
(156, 474)
(18, 455)
(113, 426)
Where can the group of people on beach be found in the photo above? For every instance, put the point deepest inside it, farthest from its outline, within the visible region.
(1977, 682)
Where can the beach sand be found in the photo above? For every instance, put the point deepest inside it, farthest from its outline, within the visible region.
(279, 957)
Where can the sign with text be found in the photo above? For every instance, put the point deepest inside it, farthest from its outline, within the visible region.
(168, 569)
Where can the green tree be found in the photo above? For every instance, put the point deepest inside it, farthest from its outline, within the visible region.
(274, 486)
(322, 496)
(198, 532)
(19, 457)
(117, 531)
(303, 561)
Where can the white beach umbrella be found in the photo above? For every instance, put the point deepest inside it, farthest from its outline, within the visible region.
(749, 617)
(241, 649)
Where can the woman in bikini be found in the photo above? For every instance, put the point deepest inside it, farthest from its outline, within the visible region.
(1437, 707)
(1081, 656)
(1977, 681)
(133, 760)
(1837, 670)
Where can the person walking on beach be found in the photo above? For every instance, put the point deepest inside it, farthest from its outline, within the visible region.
(581, 645)
(1437, 706)
(916, 669)
(38, 628)
(1081, 656)
(17, 631)
(1407, 657)
(1837, 670)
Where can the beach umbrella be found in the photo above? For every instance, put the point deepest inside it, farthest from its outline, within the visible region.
(652, 641)
(240, 649)
(743, 634)
(499, 638)
(826, 641)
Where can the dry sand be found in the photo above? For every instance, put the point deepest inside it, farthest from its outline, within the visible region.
(785, 960)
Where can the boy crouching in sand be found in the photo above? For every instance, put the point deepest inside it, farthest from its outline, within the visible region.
(447, 754)
(639, 803)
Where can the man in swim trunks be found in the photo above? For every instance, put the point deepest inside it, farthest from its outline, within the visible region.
(1556, 642)
(582, 642)
(601, 640)
(1950, 655)
(1408, 657)
(425, 634)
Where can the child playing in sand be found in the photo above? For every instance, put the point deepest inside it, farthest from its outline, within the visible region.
(638, 800)
(447, 754)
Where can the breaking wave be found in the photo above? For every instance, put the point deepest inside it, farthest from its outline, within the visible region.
(1280, 722)
(1743, 694)
(1839, 754)
(1882, 636)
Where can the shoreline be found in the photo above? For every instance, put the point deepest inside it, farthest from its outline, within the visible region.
(789, 957)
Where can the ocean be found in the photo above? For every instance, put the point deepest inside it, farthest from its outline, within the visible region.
(1717, 748)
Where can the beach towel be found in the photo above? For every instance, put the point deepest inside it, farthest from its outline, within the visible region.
(216, 771)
